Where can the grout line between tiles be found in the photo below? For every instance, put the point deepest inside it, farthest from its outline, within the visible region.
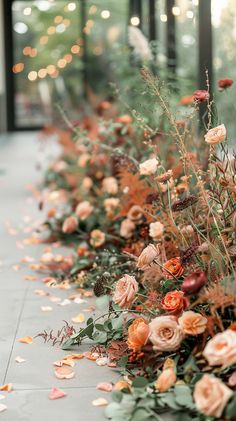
(16, 331)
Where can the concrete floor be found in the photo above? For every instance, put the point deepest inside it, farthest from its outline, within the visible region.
(20, 308)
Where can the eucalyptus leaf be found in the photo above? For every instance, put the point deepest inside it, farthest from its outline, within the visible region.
(140, 382)
(102, 302)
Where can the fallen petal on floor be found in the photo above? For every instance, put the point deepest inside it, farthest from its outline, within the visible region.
(56, 393)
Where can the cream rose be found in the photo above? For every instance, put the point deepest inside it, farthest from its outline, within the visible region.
(148, 167)
(84, 160)
(111, 203)
(211, 396)
(84, 210)
(87, 183)
(127, 228)
(156, 230)
(125, 291)
(216, 135)
(192, 323)
(110, 185)
(166, 334)
(135, 214)
(147, 256)
(221, 349)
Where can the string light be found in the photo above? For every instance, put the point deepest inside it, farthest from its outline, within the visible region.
(18, 67)
(61, 63)
(32, 76)
(189, 14)
(105, 14)
(27, 11)
(163, 18)
(75, 49)
(176, 11)
(135, 21)
(42, 73)
(71, 7)
(58, 19)
(51, 30)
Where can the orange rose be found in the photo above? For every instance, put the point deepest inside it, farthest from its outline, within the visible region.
(174, 301)
(173, 267)
(138, 333)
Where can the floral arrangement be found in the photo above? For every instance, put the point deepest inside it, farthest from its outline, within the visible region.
(150, 215)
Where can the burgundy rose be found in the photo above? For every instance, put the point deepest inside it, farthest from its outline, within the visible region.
(225, 83)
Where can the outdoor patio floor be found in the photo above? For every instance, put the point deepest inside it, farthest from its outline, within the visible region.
(20, 308)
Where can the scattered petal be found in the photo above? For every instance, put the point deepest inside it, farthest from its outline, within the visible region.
(73, 357)
(19, 360)
(16, 268)
(55, 299)
(102, 361)
(79, 300)
(26, 340)
(6, 387)
(100, 402)
(79, 318)
(46, 308)
(67, 362)
(106, 387)
(30, 278)
(41, 292)
(64, 372)
(56, 393)
(64, 302)
(2, 407)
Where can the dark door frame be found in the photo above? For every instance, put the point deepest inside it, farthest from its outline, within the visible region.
(9, 62)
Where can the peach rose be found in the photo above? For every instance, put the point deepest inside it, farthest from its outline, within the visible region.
(174, 301)
(111, 203)
(173, 267)
(84, 160)
(211, 396)
(166, 380)
(84, 210)
(156, 230)
(125, 291)
(148, 167)
(192, 323)
(138, 333)
(97, 238)
(127, 228)
(135, 214)
(147, 256)
(165, 333)
(216, 135)
(221, 349)
(87, 183)
(110, 185)
(69, 225)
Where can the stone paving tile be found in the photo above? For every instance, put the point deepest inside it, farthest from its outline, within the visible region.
(34, 405)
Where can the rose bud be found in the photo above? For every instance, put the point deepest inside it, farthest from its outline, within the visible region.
(193, 282)
(225, 83)
(201, 95)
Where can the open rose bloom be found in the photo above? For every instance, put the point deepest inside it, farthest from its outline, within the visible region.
(216, 135)
(125, 291)
(221, 349)
(165, 333)
(211, 396)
